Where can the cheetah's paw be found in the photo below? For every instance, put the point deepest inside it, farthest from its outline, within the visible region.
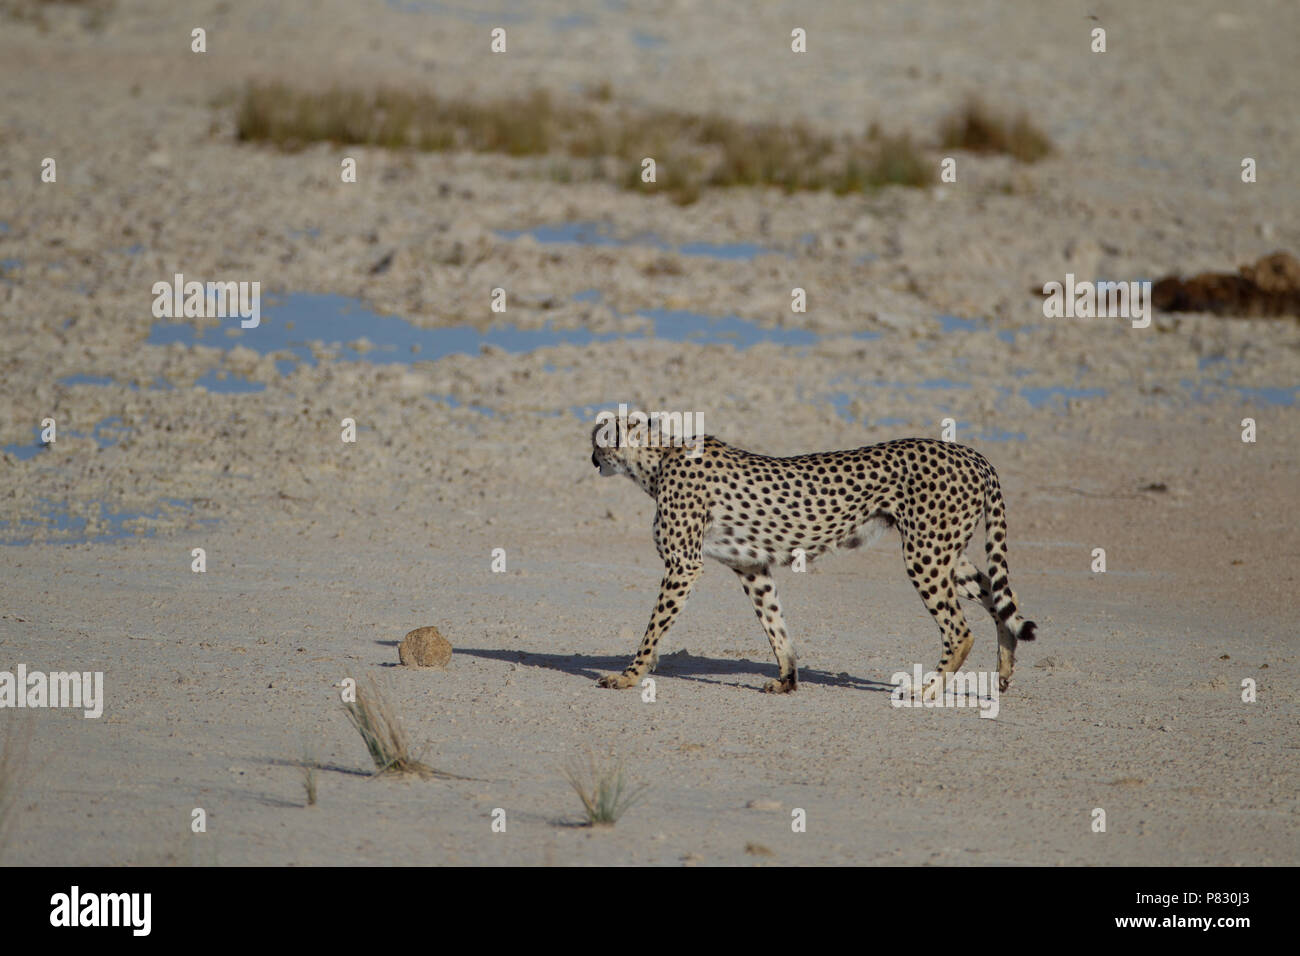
(931, 691)
(780, 686)
(617, 681)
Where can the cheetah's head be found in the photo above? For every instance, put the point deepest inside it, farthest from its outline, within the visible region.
(608, 444)
(635, 446)
(622, 446)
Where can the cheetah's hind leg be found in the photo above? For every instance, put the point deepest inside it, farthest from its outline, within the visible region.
(974, 584)
(934, 689)
(937, 586)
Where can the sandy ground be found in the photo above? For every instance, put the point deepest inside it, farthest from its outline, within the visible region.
(321, 555)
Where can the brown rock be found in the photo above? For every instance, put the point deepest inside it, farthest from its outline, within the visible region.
(424, 647)
(1270, 287)
(1277, 273)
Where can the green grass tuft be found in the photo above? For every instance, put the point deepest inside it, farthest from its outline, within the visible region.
(605, 791)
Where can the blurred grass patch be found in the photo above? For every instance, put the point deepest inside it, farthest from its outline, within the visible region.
(92, 14)
(592, 140)
(292, 119)
(977, 128)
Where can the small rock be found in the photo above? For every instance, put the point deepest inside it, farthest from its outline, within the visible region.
(424, 647)
(763, 805)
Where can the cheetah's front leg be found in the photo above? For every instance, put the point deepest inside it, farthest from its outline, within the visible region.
(675, 587)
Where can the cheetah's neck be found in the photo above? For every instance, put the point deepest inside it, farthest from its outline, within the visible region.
(643, 468)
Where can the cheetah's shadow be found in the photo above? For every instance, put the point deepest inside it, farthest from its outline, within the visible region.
(679, 665)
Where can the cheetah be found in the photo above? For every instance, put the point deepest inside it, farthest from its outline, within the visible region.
(751, 512)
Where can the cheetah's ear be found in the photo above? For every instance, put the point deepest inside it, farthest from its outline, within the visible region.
(605, 434)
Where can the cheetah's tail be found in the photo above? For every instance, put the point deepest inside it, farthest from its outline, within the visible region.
(995, 545)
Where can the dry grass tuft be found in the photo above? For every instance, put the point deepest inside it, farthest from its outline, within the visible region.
(898, 163)
(374, 719)
(602, 92)
(592, 140)
(308, 766)
(292, 119)
(977, 128)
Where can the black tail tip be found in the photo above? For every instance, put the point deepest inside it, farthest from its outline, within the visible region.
(1028, 631)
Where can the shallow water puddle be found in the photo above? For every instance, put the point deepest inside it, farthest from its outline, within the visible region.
(951, 323)
(1219, 369)
(461, 11)
(840, 401)
(25, 452)
(679, 325)
(7, 266)
(106, 433)
(572, 21)
(219, 380)
(58, 515)
(350, 331)
(1056, 396)
(1044, 397)
(88, 380)
(214, 380)
(601, 234)
(356, 333)
(457, 403)
(1269, 396)
(1208, 392)
(647, 41)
